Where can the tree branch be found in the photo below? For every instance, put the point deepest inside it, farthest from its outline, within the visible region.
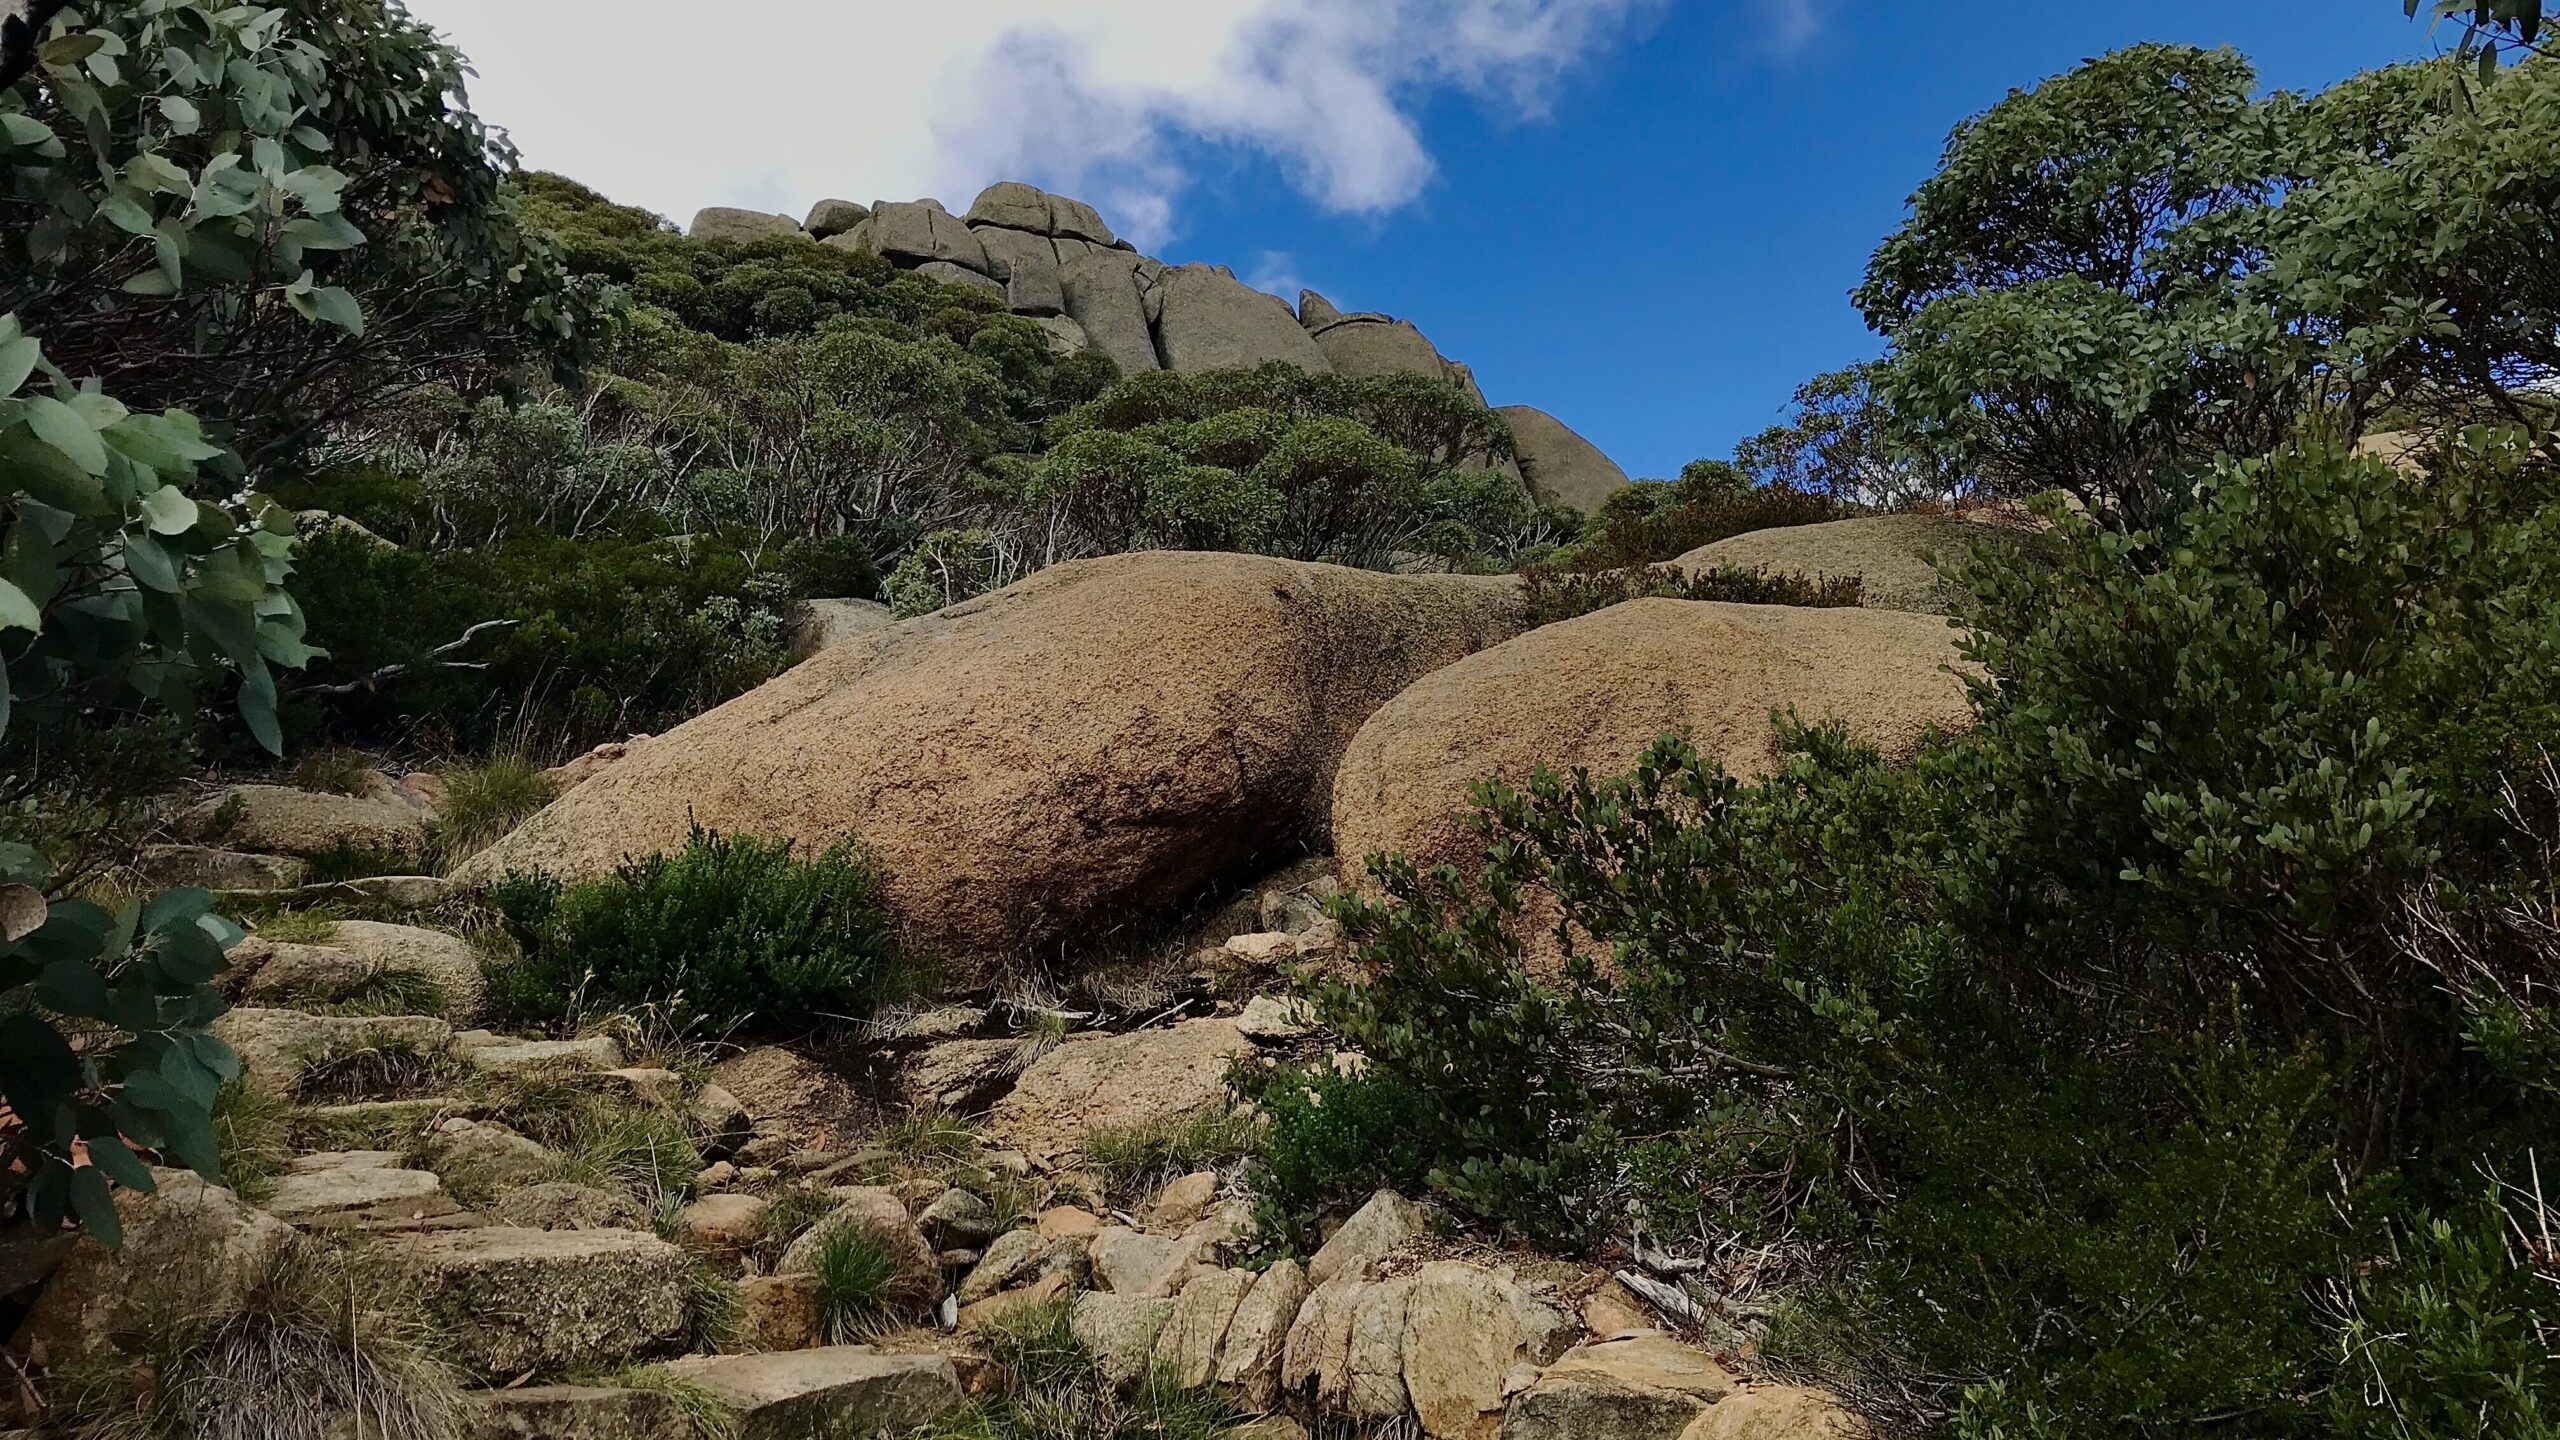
(435, 661)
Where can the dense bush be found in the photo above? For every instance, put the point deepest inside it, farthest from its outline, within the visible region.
(1555, 595)
(595, 639)
(2086, 1072)
(1648, 524)
(726, 934)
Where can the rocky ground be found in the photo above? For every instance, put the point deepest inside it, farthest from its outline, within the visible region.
(607, 1229)
(615, 1234)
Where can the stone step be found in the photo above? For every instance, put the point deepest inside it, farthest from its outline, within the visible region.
(849, 1389)
(548, 1302)
(365, 1194)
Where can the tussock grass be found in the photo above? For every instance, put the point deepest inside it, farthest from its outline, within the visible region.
(857, 1285)
(304, 1357)
(483, 802)
(252, 1131)
(374, 1072)
(1058, 1393)
(710, 1419)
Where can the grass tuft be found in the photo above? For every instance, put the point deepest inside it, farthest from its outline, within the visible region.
(483, 802)
(1130, 1160)
(857, 1285)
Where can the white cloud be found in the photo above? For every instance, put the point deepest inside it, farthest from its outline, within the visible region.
(777, 103)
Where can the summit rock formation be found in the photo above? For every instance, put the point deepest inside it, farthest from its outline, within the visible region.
(1056, 261)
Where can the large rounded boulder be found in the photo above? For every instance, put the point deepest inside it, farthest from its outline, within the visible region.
(1901, 559)
(1596, 691)
(1099, 740)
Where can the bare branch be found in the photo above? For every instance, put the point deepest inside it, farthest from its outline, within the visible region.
(434, 661)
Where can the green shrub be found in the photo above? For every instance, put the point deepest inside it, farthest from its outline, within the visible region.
(1647, 524)
(728, 933)
(1555, 595)
(1329, 1136)
(2074, 1068)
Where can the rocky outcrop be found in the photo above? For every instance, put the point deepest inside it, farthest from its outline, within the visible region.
(1899, 558)
(1598, 690)
(739, 226)
(830, 218)
(1648, 1388)
(1027, 265)
(920, 231)
(1097, 740)
(833, 622)
(1558, 463)
(1105, 295)
(1209, 320)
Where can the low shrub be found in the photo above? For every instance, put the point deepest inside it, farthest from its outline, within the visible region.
(2126, 1066)
(1555, 595)
(726, 934)
(1649, 523)
(1330, 1135)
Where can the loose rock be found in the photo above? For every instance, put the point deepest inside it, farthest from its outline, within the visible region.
(1142, 1077)
(840, 1389)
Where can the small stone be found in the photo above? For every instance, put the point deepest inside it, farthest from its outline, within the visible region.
(1377, 1230)
(1189, 1344)
(560, 1206)
(1270, 947)
(1120, 1332)
(718, 1175)
(1006, 1162)
(1779, 1412)
(1649, 1388)
(1271, 1017)
(959, 1218)
(1249, 1357)
(719, 1123)
(488, 1154)
(1613, 1312)
(353, 1194)
(1008, 1261)
(1004, 1302)
(779, 1312)
(573, 1412)
(727, 1225)
(1179, 1203)
(658, 1089)
(1126, 1262)
(1060, 1222)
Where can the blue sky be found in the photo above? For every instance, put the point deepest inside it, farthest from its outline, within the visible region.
(1663, 259)
(1641, 215)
